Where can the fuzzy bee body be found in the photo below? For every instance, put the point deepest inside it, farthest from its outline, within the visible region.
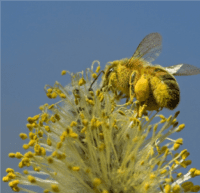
(152, 85)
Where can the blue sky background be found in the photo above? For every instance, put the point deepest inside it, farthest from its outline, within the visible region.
(40, 39)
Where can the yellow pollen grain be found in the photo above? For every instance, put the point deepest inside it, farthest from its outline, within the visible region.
(168, 180)
(53, 119)
(37, 169)
(49, 142)
(50, 160)
(185, 163)
(42, 151)
(155, 127)
(163, 121)
(152, 176)
(31, 135)
(146, 118)
(94, 75)
(5, 179)
(54, 154)
(29, 126)
(40, 133)
(11, 175)
(142, 163)
(11, 155)
(23, 136)
(25, 146)
(44, 117)
(176, 189)
(46, 191)
(57, 116)
(51, 106)
(96, 182)
(81, 82)
(14, 183)
(163, 171)
(30, 120)
(62, 137)
(36, 117)
(62, 95)
(35, 125)
(85, 122)
(31, 142)
(82, 115)
(101, 98)
(176, 146)
(31, 179)
(75, 168)
(55, 187)
(184, 154)
(8, 170)
(179, 174)
(97, 92)
(180, 127)
(47, 128)
(54, 95)
(68, 131)
(18, 155)
(83, 130)
(162, 116)
(91, 102)
(73, 123)
(63, 72)
(174, 121)
(74, 135)
(59, 145)
(29, 154)
(26, 172)
(169, 118)
(49, 95)
(197, 173)
(49, 90)
(146, 186)
(167, 188)
(20, 165)
(98, 69)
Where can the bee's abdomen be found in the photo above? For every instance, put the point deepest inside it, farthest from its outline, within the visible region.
(165, 90)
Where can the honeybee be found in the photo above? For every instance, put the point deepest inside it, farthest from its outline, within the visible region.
(152, 85)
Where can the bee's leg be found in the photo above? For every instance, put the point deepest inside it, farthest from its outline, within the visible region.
(131, 88)
(95, 80)
(142, 110)
(118, 96)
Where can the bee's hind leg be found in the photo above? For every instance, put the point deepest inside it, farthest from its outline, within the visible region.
(142, 110)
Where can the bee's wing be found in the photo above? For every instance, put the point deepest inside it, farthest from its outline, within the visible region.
(183, 70)
(150, 47)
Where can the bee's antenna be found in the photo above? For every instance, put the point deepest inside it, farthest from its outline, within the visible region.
(96, 79)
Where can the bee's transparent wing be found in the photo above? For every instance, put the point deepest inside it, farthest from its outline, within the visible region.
(150, 47)
(183, 70)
